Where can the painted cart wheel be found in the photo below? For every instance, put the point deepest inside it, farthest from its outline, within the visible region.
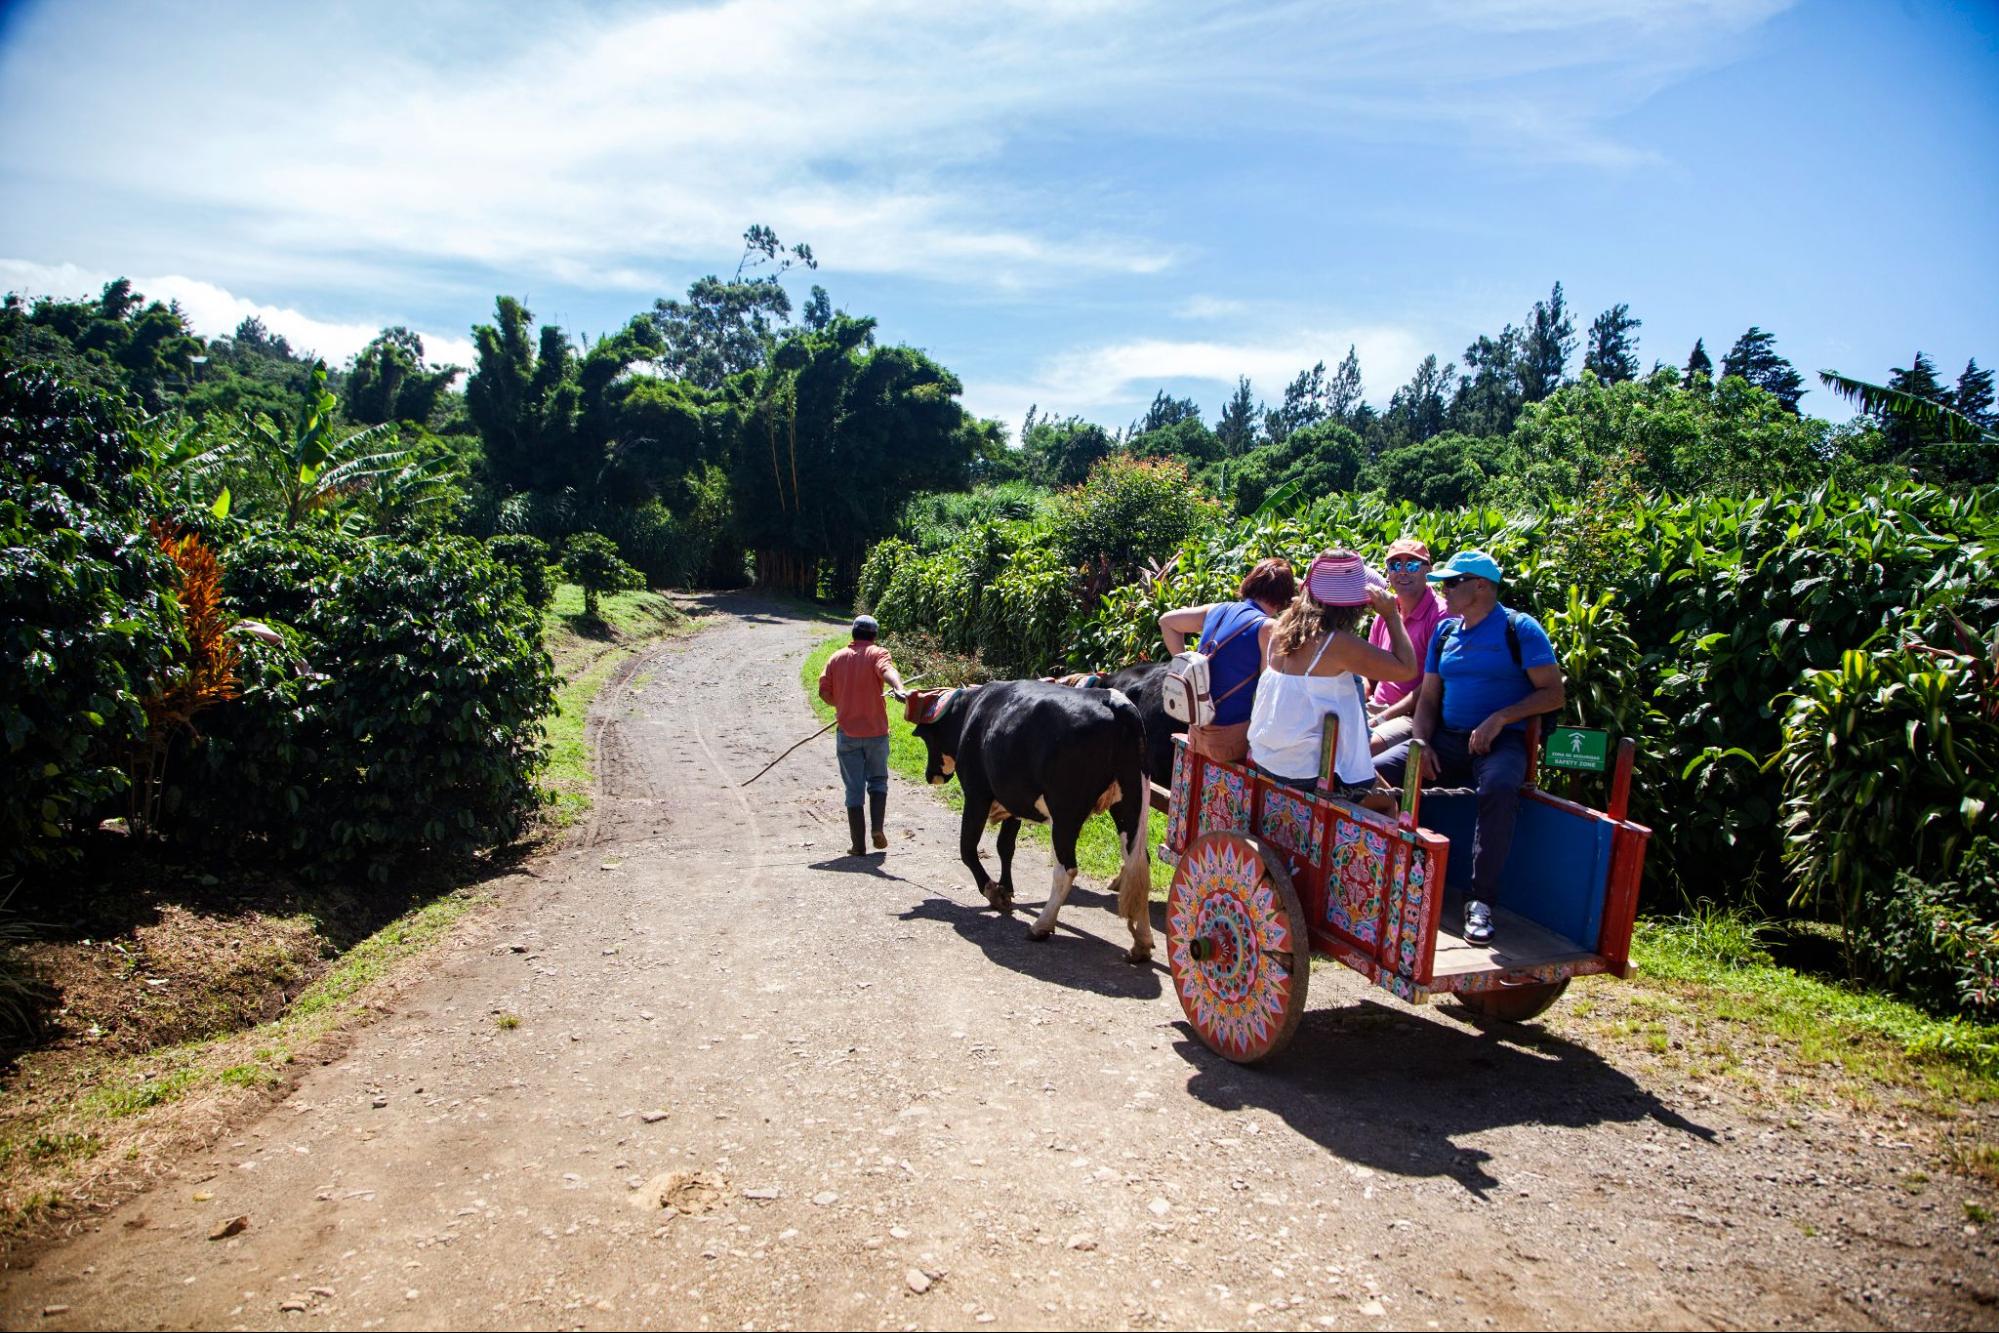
(1515, 1004)
(1237, 947)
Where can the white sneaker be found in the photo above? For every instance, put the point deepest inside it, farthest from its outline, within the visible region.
(1478, 923)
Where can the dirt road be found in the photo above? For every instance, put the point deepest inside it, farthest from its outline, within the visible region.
(885, 1107)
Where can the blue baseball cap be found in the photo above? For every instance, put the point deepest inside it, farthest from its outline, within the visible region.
(1475, 563)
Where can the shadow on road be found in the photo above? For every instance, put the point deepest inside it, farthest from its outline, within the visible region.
(870, 864)
(1394, 1090)
(761, 608)
(1069, 957)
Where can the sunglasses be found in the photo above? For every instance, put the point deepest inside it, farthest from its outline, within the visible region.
(1453, 581)
(1401, 566)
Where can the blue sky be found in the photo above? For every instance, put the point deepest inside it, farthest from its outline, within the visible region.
(1068, 204)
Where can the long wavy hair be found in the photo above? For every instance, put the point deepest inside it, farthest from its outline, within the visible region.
(1306, 619)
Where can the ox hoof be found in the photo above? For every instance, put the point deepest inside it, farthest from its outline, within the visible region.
(1037, 933)
(1136, 955)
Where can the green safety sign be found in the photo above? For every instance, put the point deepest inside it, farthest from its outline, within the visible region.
(1578, 749)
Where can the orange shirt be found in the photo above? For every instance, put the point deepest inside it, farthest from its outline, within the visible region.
(852, 683)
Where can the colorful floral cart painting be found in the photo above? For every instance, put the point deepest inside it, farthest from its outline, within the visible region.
(1266, 876)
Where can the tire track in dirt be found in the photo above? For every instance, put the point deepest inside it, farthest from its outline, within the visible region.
(891, 1088)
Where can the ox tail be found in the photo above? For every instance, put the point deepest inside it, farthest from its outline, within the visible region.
(1134, 881)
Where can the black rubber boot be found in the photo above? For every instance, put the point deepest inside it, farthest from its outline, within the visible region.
(877, 808)
(854, 830)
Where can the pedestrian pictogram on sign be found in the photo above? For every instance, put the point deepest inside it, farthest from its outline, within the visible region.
(1577, 749)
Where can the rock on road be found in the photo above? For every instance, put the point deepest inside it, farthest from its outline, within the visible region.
(754, 1082)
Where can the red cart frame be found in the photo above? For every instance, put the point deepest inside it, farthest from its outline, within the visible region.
(1266, 875)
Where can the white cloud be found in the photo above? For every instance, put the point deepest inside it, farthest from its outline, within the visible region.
(1087, 379)
(614, 146)
(215, 313)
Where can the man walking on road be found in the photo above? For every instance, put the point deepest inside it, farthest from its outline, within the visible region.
(852, 683)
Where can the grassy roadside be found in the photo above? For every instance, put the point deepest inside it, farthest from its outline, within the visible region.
(90, 1115)
(1097, 855)
(587, 654)
(1712, 1006)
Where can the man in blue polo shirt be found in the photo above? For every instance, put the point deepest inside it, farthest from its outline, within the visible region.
(1488, 670)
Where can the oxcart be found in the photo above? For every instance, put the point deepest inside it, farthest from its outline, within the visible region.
(1266, 876)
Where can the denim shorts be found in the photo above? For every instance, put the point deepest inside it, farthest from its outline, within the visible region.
(863, 765)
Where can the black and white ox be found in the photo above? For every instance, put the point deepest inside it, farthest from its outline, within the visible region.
(1025, 749)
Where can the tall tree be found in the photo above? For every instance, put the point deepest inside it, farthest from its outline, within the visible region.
(1973, 396)
(1489, 395)
(1545, 347)
(1698, 363)
(1166, 411)
(1061, 453)
(1918, 380)
(388, 381)
(524, 398)
(724, 328)
(1418, 409)
(835, 434)
(1343, 400)
(1754, 358)
(1237, 427)
(1613, 348)
(818, 312)
(1307, 402)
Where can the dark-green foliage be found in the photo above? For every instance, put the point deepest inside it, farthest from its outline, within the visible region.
(528, 558)
(1890, 765)
(1936, 938)
(1446, 471)
(1127, 513)
(1721, 607)
(86, 614)
(933, 520)
(402, 718)
(590, 560)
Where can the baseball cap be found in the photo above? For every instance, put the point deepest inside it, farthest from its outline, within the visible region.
(1409, 546)
(1475, 563)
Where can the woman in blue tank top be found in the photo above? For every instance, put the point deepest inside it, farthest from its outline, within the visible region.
(1235, 634)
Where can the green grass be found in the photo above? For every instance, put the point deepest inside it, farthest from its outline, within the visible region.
(1722, 951)
(40, 1148)
(116, 1100)
(587, 654)
(1097, 853)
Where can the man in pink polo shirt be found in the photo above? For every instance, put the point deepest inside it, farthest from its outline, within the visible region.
(852, 682)
(1391, 709)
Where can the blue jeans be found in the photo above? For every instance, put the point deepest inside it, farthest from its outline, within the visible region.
(863, 764)
(1497, 774)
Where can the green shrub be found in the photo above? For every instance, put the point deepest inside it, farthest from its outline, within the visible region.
(1891, 768)
(1937, 940)
(86, 611)
(1126, 513)
(1026, 614)
(403, 715)
(879, 570)
(528, 558)
(590, 559)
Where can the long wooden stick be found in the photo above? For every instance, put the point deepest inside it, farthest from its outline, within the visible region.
(813, 737)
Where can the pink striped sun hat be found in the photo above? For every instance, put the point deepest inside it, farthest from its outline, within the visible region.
(1341, 578)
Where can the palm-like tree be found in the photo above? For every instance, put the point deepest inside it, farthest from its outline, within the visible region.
(1883, 401)
(311, 469)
